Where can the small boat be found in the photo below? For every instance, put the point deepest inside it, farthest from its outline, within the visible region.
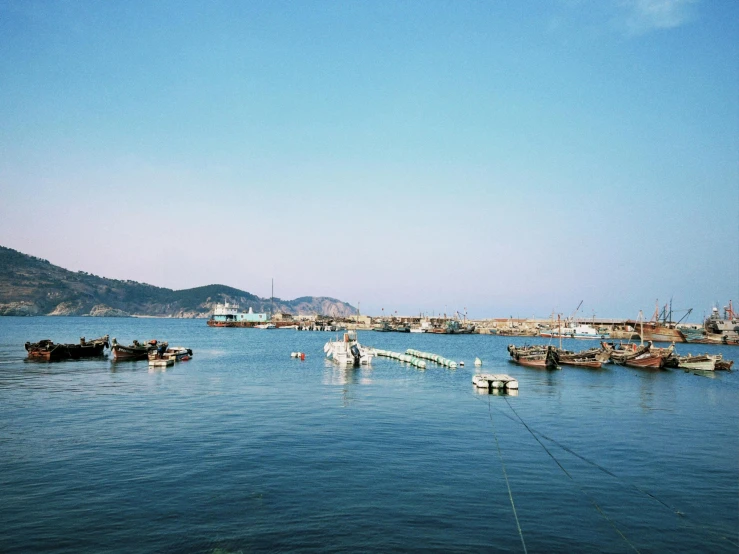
(347, 351)
(619, 354)
(535, 356)
(266, 326)
(135, 351)
(47, 350)
(647, 360)
(384, 327)
(700, 363)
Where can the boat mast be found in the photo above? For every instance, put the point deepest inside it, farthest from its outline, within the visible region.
(559, 324)
(272, 300)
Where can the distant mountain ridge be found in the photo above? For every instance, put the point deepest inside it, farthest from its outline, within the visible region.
(33, 286)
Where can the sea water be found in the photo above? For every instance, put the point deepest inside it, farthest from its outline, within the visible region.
(244, 448)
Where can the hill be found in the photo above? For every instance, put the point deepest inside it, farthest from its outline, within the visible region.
(33, 286)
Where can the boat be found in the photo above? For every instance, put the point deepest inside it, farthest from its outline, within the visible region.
(174, 353)
(722, 329)
(425, 327)
(700, 336)
(47, 350)
(266, 326)
(660, 328)
(134, 351)
(229, 315)
(546, 357)
(700, 363)
(453, 327)
(384, 327)
(646, 360)
(347, 351)
(620, 353)
(577, 331)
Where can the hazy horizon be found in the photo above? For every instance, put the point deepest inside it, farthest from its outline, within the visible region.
(507, 159)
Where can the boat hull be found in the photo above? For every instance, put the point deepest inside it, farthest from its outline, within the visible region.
(126, 353)
(657, 333)
(652, 362)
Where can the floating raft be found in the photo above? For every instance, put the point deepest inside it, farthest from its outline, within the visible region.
(432, 357)
(494, 381)
(407, 358)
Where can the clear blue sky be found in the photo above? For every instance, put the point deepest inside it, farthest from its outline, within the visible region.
(512, 158)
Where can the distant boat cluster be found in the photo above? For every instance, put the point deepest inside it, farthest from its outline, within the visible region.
(715, 330)
(159, 353)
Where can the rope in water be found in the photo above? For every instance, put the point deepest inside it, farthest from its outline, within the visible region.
(593, 502)
(505, 474)
(681, 515)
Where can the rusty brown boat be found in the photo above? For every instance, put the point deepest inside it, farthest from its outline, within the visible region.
(48, 351)
(135, 351)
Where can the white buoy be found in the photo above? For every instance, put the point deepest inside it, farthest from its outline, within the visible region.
(293, 354)
(461, 364)
(478, 362)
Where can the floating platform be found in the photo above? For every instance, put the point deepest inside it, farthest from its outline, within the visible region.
(494, 381)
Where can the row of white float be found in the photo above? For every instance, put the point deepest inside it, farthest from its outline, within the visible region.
(407, 358)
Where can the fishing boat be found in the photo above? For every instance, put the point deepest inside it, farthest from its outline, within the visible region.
(699, 363)
(347, 351)
(134, 351)
(647, 360)
(585, 358)
(660, 328)
(619, 354)
(384, 327)
(47, 350)
(425, 327)
(545, 357)
(266, 326)
(174, 353)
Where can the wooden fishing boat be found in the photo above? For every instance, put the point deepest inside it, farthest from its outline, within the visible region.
(625, 352)
(648, 360)
(47, 350)
(534, 357)
(699, 363)
(135, 351)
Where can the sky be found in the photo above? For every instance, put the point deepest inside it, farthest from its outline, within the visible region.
(499, 158)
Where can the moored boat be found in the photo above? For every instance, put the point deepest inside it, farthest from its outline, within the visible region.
(134, 351)
(347, 351)
(700, 363)
(47, 350)
(543, 357)
(647, 360)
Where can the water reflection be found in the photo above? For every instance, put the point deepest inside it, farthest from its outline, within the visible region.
(496, 392)
(337, 375)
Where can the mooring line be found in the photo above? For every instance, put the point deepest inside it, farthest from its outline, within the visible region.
(597, 465)
(684, 521)
(593, 502)
(505, 474)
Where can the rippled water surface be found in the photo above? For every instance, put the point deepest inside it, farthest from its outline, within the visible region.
(244, 448)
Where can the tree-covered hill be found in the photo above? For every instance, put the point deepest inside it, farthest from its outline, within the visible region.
(33, 286)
